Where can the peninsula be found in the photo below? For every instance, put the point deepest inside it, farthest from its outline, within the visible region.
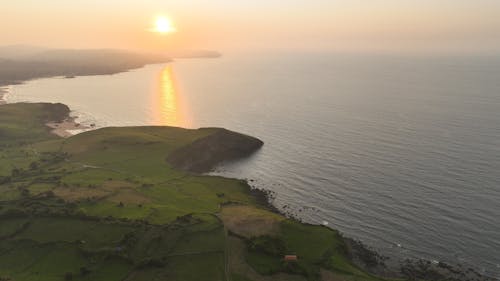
(128, 204)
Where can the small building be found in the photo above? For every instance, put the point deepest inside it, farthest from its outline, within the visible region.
(291, 258)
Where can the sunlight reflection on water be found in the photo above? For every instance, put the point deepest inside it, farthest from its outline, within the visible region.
(167, 105)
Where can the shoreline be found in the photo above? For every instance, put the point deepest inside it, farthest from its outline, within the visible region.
(67, 128)
(3, 93)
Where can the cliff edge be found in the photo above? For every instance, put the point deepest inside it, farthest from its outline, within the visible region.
(204, 154)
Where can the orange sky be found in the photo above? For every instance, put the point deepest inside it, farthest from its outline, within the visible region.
(229, 24)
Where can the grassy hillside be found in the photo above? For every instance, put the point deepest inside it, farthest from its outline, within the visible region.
(107, 205)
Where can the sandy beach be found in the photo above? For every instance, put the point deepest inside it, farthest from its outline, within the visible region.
(67, 128)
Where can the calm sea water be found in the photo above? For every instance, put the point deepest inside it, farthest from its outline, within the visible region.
(400, 152)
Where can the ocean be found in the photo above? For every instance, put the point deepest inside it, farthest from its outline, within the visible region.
(401, 152)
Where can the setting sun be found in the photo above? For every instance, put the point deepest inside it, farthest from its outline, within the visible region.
(164, 25)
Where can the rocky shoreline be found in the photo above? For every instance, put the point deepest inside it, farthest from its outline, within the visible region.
(64, 128)
(67, 127)
(374, 262)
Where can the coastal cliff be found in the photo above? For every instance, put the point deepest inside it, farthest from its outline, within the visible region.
(204, 154)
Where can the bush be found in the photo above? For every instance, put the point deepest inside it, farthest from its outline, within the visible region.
(269, 245)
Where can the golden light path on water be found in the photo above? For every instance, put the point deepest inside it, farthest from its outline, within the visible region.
(168, 106)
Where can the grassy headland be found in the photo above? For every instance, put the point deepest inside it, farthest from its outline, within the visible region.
(116, 204)
(128, 204)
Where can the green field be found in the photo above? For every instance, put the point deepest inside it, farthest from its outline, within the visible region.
(106, 205)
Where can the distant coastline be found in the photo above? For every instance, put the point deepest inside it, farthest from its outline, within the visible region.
(68, 127)
(69, 63)
(47, 63)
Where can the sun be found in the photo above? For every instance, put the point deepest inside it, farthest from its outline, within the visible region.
(164, 25)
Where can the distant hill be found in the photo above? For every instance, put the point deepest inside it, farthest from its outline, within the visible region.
(20, 51)
(30, 62)
(92, 56)
(19, 63)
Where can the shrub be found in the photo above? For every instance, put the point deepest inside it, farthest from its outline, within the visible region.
(268, 245)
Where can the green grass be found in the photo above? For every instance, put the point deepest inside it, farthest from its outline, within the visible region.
(315, 246)
(195, 268)
(24, 123)
(201, 242)
(93, 234)
(265, 264)
(30, 261)
(11, 226)
(83, 177)
(238, 277)
(52, 246)
(308, 241)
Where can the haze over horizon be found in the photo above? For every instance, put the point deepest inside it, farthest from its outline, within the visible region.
(379, 26)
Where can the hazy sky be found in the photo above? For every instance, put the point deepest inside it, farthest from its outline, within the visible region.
(394, 25)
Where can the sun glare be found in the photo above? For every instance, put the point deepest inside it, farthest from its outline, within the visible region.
(164, 25)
